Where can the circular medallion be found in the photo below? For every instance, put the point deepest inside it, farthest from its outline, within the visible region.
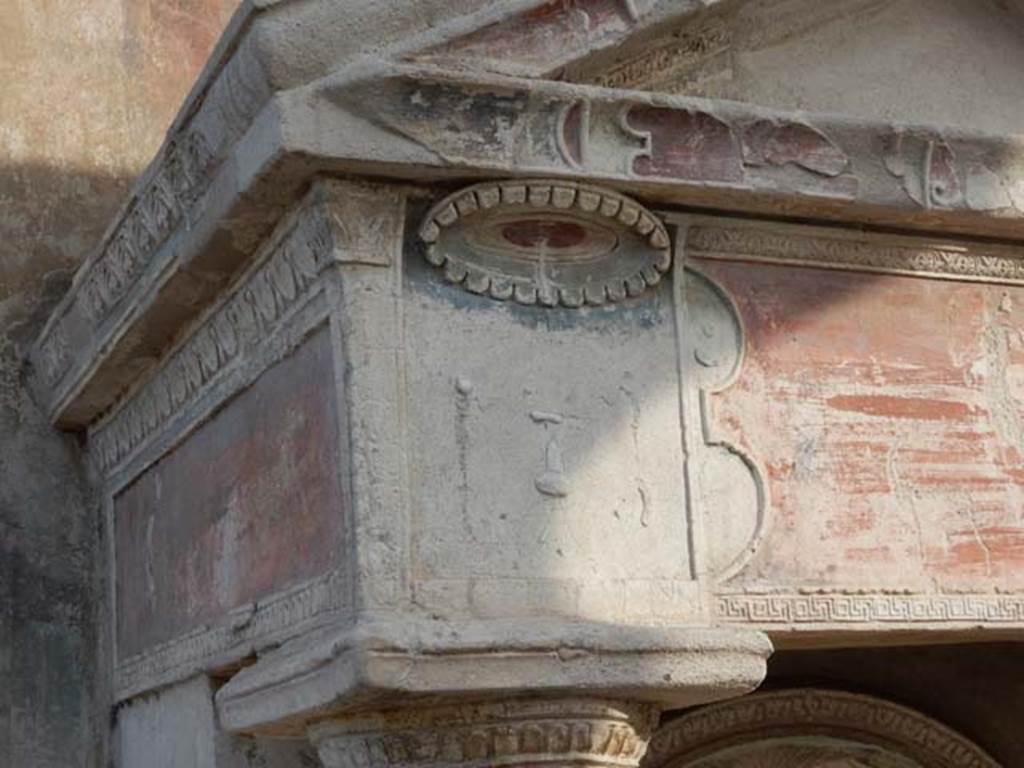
(552, 243)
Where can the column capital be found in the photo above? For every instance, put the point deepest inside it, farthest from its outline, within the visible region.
(514, 732)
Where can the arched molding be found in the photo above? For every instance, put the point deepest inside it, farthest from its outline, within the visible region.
(811, 728)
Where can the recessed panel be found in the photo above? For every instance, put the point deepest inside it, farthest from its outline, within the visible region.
(888, 413)
(248, 505)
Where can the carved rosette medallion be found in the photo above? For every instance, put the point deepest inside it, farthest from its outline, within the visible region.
(556, 732)
(810, 728)
(550, 243)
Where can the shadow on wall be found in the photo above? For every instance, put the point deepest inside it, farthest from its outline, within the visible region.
(50, 219)
(47, 587)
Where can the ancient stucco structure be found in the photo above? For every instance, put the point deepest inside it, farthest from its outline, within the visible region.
(590, 382)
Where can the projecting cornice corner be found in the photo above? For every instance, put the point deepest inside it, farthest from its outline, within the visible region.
(277, 108)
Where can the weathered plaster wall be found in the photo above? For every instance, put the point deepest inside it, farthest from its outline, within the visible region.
(949, 62)
(883, 60)
(86, 90)
(885, 410)
(250, 504)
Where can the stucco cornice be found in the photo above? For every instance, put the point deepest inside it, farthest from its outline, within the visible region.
(278, 105)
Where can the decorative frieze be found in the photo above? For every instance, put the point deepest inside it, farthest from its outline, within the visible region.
(727, 496)
(53, 356)
(153, 213)
(272, 620)
(668, 65)
(859, 608)
(156, 210)
(338, 223)
(161, 202)
(837, 249)
(287, 273)
(512, 733)
(763, 720)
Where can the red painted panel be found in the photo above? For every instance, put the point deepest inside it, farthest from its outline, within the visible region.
(695, 146)
(888, 413)
(249, 504)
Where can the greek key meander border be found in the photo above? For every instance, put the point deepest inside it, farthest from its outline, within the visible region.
(815, 247)
(766, 713)
(282, 279)
(798, 609)
(273, 620)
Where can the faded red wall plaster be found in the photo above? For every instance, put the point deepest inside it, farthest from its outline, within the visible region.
(888, 413)
(248, 505)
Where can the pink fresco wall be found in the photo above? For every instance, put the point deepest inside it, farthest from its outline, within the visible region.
(888, 413)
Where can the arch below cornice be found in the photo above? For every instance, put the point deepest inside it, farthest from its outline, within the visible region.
(811, 728)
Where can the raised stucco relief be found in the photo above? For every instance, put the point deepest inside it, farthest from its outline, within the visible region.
(726, 494)
(684, 148)
(616, 446)
(166, 196)
(522, 44)
(514, 441)
(590, 452)
(232, 446)
(547, 243)
(581, 434)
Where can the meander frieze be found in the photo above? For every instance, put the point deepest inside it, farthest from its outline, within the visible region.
(816, 247)
(485, 239)
(842, 721)
(860, 608)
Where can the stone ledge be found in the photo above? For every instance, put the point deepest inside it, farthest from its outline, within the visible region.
(379, 664)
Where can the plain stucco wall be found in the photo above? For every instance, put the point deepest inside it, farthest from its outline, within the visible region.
(87, 88)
